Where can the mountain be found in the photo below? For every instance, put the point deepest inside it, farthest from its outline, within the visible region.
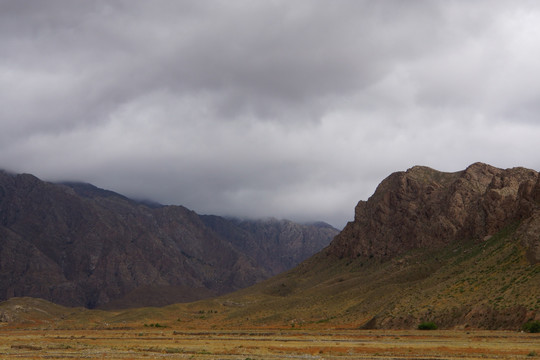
(276, 245)
(424, 208)
(78, 245)
(460, 249)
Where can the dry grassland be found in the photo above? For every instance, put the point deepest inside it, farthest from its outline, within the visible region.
(168, 343)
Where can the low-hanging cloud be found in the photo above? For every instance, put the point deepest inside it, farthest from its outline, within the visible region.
(292, 109)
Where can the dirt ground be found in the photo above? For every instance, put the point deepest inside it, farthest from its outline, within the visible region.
(166, 343)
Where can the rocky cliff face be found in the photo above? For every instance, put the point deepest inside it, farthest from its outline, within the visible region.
(422, 208)
(75, 244)
(459, 249)
(276, 245)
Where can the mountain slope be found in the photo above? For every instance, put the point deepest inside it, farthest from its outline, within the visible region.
(482, 273)
(460, 249)
(77, 245)
(276, 245)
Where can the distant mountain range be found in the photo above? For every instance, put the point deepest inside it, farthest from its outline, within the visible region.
(461, 250)
(75, 244)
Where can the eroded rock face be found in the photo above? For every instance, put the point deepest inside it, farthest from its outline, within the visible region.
(422, 208)
(78, 245)
(276, 245)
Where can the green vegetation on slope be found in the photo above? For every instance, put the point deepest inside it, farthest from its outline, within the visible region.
(487, 284)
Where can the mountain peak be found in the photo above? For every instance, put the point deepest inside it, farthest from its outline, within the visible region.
(423, 207)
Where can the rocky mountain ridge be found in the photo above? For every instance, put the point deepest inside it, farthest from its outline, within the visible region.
(425, 208)
(276, 245)
(78, 245)
(459, 249)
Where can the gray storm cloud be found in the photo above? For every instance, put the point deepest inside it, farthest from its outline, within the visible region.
(292, 109)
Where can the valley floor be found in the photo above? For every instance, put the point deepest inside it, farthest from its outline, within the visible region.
(168, 343)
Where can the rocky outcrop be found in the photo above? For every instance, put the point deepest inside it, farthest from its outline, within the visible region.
(457, 249)
(423, 208)
(77, 245)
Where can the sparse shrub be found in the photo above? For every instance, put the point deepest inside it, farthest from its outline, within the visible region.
(532, 326)
(427, 325)
(157, 325)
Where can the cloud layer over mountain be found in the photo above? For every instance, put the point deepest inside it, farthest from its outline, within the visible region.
(291, 109)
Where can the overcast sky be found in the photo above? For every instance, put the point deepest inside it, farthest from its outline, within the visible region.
(292, 109)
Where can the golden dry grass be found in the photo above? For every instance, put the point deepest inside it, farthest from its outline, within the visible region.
(177, 343)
